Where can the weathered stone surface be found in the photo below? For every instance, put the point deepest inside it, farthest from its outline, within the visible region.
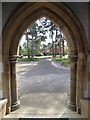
(85, 105)
(3, 108)
(70, 26)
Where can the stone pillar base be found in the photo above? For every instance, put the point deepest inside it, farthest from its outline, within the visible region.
(71, 106)
(15, 106)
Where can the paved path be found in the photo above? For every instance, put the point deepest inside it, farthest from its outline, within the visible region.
(43, 89)
(44, 77)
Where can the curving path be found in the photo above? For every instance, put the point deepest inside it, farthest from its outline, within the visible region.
(43, 89)
(43, 77)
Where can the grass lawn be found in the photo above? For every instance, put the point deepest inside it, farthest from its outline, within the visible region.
(25, 59)
(65, 61)
(34, 59)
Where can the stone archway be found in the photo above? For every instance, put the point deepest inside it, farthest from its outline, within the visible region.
(73, 31)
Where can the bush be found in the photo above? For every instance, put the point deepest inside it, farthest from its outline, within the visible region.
(65, 61)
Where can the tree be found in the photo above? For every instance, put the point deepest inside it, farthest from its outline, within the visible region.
(51, 29)
(28, 50)
(32, 32)
(24, 50)
(63, 53)
(37, 33)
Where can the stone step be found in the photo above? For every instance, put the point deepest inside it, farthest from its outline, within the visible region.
(85, 107)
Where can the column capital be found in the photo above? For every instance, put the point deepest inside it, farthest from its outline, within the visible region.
(73, 58)
(14, 57)
(15, 104)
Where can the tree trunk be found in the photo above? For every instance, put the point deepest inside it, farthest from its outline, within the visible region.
(28, 51)
(55, 49)
(20, 48)
(63, 47)
(60, 45)
(52, 49)
(60, 49)
(55, 44)
(32, 55)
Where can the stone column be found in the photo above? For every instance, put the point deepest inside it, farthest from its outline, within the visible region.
(15, 103)
(6, 85)
(81, 79)
(73, 69)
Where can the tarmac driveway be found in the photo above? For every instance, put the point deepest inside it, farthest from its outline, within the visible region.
(43, 89)
(43, 77)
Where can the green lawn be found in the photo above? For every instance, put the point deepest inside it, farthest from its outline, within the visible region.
(30, 59)
(65, 61)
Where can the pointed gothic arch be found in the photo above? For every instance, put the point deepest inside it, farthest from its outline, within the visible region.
(61, 15)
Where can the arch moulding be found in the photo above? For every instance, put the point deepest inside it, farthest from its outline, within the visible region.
(61, 15)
